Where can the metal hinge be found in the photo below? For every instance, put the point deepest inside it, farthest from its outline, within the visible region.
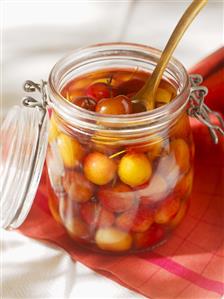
(201, 111)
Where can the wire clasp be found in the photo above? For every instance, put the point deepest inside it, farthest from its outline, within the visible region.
(30, 86)
(201, 111)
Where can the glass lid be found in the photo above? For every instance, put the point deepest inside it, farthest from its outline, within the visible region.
(23, 145)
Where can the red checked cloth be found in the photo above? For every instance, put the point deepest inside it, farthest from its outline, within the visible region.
(191, 264)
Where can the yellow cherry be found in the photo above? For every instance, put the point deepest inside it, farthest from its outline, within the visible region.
(134, 169)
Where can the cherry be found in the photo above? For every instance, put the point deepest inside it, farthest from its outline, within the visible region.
(118, 198)
(70, 150)
(180, 214)
(85, 103)
(113, 239)
(77, 228)
(98, 91)
(95, 215)
(167, 210)
(90, 212)
(117, 105)
(134, 169)
(106, 218)
(99, 169)
(148, 238)
(137, 220)
(77, 187)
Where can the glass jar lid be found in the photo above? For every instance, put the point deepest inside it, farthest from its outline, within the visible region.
(24, 137)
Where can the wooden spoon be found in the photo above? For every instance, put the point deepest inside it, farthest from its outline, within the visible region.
(147, 93)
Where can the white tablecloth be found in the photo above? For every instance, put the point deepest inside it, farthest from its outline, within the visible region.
(35, 34)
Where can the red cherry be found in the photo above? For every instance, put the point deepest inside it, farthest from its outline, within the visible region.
(90, 212)
(149, 237)
(98, 91)
(118, 105)
(85, 103)
(106, 218)
(143, 220)
(137, 220)
(168, 209)
(95, 215)
(77, 186)
(130, 86)
(119, 198)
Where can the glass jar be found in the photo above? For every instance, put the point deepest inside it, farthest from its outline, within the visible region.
(144, 160)
(117, 183)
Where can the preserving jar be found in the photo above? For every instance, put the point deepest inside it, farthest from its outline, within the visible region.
(117, 183)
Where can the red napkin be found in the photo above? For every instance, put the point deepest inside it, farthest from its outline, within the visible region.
(190, 265)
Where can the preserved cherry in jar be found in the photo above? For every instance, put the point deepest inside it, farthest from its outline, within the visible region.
(119, 176)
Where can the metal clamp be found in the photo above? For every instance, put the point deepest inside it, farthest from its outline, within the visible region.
(30, 86)
(201, 111)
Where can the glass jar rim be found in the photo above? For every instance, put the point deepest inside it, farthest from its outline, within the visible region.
(72, 113)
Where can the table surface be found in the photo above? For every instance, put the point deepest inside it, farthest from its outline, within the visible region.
(35, 34)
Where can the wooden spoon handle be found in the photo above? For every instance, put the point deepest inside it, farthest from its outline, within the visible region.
(148, 91)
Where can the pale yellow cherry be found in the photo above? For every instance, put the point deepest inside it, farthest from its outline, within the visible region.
(113, 239)
(70, 150)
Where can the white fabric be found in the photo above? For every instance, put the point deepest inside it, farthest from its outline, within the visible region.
(35, 35)
(33, 269)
